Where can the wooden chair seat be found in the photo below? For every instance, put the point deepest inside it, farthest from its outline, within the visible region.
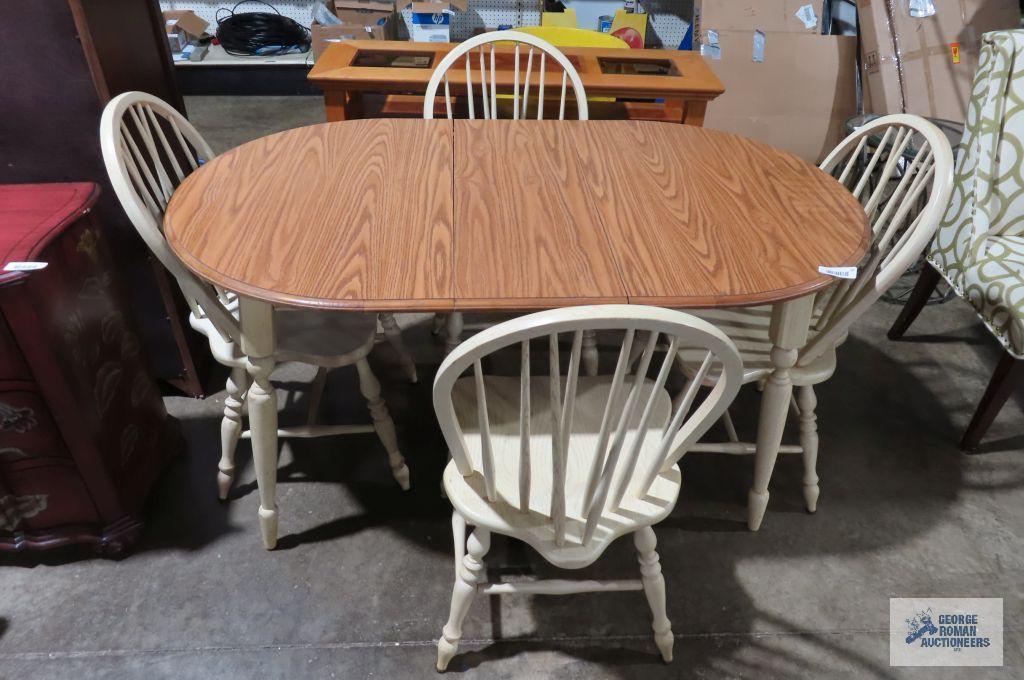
(748, 327)
(504, 515)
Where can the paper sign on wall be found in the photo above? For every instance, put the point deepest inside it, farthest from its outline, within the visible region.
(24, 266)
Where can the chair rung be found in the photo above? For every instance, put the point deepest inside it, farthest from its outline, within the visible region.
(307, 431)
(737, 448)
(560, 587)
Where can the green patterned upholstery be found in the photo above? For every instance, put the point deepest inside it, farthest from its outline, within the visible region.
(995, 287)
(978, 248)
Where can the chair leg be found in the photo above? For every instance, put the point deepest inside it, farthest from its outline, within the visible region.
(466, 584)
(453, 331)
(382, 423)
(440, 320)
(1008, 376)
(926, 283)
(231, 429)
(459, 536)
(809, 443)
(589, 353)
(394, 336)
(316, 395)
(654, 588)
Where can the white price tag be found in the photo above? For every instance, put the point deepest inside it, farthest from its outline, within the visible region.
(806, 14)
(839, 272)
(24, 266)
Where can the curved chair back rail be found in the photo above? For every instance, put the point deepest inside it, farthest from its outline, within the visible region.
(148, 149)
(891, 165)
(603, 461)
(488, 76)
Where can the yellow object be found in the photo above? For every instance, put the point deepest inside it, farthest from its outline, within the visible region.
(566, 19)
(632, 28)
(560, 36)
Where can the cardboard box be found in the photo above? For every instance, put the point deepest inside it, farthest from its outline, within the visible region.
(431, 21)
(926, 65)
(322, 36)
(360, 13)
(797, 99)
(188, 21)
(770, 16)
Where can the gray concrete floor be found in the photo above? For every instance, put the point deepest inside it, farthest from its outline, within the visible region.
(360, 584)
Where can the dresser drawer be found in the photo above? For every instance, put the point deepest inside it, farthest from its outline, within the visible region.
(43, 495)
(27, 430)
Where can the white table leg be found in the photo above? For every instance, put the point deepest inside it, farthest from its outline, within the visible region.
(788, 332)
(258, 344)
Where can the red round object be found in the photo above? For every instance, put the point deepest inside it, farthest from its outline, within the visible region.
(630, 36)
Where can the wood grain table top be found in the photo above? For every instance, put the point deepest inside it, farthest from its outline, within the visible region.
(413, 215)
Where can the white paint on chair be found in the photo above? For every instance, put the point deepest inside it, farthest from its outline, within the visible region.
(600, 452)
(794, 344)
(148, 149)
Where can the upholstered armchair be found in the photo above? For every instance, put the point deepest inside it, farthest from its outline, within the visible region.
(979, 246)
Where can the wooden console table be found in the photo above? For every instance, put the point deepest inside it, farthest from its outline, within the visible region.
(373, 78)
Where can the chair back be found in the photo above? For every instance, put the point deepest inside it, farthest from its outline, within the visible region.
(538, 64)
(148, 149)
(996, 145)
(611, 452)
(893, 165)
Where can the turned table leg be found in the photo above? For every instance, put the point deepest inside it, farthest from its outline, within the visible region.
(788, 333)
(258, 344)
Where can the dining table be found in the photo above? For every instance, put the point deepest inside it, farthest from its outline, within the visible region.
(403, 215)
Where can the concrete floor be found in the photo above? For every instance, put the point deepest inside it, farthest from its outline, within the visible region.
(360, 584)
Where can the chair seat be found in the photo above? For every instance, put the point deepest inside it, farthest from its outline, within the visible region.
(327, 339)
(503, 516)
(748, 327)
(994, 286)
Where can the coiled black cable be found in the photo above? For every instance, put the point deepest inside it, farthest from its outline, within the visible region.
(260, 33)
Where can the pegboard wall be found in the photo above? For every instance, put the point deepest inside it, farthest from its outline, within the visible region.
(668, 19)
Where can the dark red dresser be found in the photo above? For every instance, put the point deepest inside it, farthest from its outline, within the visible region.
(83, 430)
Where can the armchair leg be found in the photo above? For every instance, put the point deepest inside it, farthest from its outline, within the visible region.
(231, 429)
(654, 589)
(471, 576)
(809, 443)
(926, 283)
(1008, 376)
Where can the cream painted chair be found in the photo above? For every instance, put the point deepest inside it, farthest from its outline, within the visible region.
(570, 474)
(148, 149)
(891, 165)
(533, 73)
(979, 247)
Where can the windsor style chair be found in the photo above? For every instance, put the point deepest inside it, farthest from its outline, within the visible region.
(490, 47)
(979, 247)
(874, 164)
(149, 149)
(570, 463)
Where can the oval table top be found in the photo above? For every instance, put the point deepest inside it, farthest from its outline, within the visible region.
(416, 215)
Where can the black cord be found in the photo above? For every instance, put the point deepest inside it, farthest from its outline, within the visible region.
(260, 33)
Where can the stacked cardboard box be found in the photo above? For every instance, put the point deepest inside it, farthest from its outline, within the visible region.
(925, 65)
(785, 83)
(431, 19)
(360, 19)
